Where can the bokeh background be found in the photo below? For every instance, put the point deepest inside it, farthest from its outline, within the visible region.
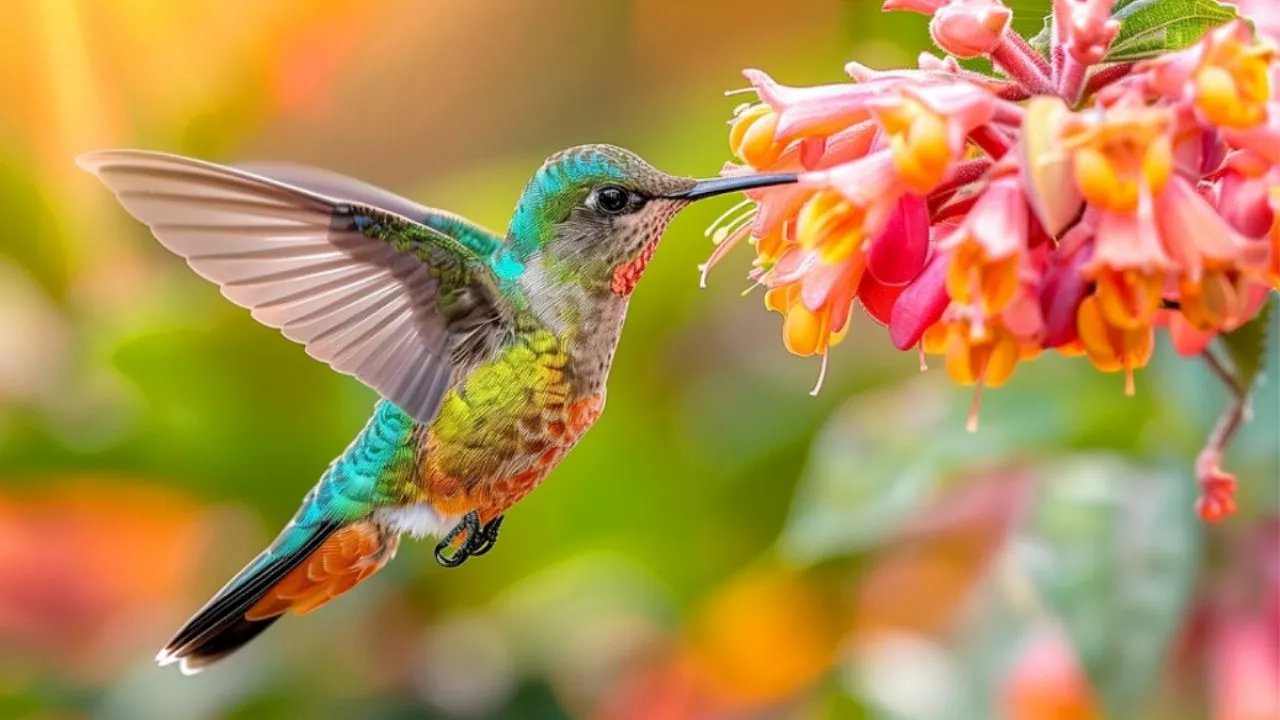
(722, 545)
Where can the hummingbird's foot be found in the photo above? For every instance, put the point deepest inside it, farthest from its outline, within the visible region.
(488, 536)
(478, 540)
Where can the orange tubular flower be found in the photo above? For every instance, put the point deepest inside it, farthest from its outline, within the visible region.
(1112, 349)
(1070, 201)
(1120, 160)
(751, 136)
(1226, 75)
(927, 127)
(988, 249)
(1231, 83)
(1118, 154)
(1214, 262)
(816, 309)
(831, 225)
(988, 357)
(814, 280)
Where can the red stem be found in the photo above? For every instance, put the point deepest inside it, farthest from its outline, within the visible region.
(1013, 92)
(1071, 80)
(1022, 64)
(992, 141)
(1006, 113)
(946, 212)
(1025, 48)
(964, 173)
(1105, 76)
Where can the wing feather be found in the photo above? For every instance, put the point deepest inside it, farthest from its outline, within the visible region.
(288, 243)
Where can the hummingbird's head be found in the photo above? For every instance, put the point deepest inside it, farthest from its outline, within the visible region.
(594, 213)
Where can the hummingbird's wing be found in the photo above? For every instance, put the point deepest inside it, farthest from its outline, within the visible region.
(479, 240)
(404, 306)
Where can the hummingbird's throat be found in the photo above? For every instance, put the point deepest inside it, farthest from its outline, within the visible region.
(626, 275)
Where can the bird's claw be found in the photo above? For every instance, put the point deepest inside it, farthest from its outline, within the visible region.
(478, 541)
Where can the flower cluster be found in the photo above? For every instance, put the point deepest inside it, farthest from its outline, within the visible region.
(1066, 203)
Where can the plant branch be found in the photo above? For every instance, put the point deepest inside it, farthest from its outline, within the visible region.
(1217, 486)
(1224, 373)
(1023, 64)
(1105, 76)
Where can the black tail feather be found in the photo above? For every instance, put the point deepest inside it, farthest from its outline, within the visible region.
(220, 627)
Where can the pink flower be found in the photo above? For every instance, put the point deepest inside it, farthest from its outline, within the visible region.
(897, 255)
(819, 110)
(1113, 203)
(921, 305)
(989, 249)
(970, 28)
(1227, 75)
(1085, 28)
(1263, 15)
(927, 126)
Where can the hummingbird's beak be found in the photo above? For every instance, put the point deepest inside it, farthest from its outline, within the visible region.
(721, 185)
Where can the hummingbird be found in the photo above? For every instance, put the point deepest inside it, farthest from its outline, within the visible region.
(489, 353)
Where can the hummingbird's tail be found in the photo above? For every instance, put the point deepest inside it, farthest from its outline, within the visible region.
(306, 566)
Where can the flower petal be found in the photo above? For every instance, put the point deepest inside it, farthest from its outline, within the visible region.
(1187, 340)
(1062, 290)
(1045, 168)
(878, 298)
(897, 255)
(817, 110)
(921, 304)
(1195, 235)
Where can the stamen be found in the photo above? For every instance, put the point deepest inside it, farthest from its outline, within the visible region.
(724, 216)
(734, 225)
(739, 91)
(924, 364)
(822, 374)
(978, 328)
(1128, 380)
(971, 425)
(722, 249)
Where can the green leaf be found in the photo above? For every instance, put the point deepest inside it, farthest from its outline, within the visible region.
(1247, 346)
(1043, 39)
(1114, 550)
(1153, 27)
(883, 455)
(867, 473)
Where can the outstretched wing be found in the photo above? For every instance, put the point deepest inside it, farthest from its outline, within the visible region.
(376, 286)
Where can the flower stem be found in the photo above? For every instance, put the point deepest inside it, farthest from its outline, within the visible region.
(942, 210)
(1025, 48)
(1008, 113)
(1071, 81)
(992, 141)
(1106, 76)
(962, 174)
(1224, 374)
(1020, 67)
(1217, 487)
(1023, 64)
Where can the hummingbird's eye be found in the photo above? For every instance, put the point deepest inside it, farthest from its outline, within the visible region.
(613, 200)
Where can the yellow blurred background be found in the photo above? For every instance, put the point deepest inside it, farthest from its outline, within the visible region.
(722, 545)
